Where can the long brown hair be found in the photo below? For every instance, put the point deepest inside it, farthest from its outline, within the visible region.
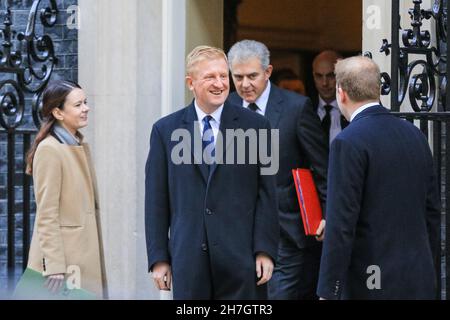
(54, 96)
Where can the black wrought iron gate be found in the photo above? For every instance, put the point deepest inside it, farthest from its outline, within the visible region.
(27, 61)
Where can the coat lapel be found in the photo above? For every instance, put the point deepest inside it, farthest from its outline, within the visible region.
(274, 109)
(229, 120)
(190, 123)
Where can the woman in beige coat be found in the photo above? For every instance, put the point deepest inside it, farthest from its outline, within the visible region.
(67, 241)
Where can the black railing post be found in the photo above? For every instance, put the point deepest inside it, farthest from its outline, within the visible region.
(447, 73)
(26, 203)
(11, 210)
(424, 128)
(447, 161)
(395, 51)
(447, 211)
(437, 161)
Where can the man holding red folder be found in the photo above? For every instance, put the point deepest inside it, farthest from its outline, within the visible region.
(302, 145)
(383, 213)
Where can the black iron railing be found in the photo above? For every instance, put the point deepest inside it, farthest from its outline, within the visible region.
(418, 48)
(27, 61)
(436, 127)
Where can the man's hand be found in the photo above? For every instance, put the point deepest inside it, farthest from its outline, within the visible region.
(320, 233)
(264, 268)
(162, 275)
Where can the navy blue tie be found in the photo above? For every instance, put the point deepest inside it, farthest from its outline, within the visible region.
(253, 106)
(208, 138)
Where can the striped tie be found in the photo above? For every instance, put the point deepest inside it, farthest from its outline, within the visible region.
(207, 139)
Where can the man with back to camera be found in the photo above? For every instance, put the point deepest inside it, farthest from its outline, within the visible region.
(383, 212)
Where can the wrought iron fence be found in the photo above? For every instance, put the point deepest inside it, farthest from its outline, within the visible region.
(27, 61)
(436, 127)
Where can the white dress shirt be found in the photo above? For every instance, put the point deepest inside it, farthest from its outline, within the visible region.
(261, 102)
(335, 113)
(362, 108)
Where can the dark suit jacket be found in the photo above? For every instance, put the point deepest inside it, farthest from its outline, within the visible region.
(383, 210)
(218, 222)
(302, 145)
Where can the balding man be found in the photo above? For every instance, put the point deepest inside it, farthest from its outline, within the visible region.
(383, 212)
(325, 102)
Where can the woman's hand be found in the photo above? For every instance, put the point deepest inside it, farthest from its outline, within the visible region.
(55, 282)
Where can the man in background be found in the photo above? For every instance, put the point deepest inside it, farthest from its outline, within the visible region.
(325, 101)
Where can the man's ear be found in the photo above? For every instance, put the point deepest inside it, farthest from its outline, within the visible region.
(341, 95)
(57, 114)
(189, 83)
(342, 100)
(268, 71)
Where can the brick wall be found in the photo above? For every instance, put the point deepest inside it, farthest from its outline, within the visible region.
(66, 48)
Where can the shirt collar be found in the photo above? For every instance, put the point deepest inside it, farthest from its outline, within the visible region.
(362, 108)
(262, 100)
(322, 103)
(215, 115)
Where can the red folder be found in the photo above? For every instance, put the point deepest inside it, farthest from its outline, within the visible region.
(308, 200)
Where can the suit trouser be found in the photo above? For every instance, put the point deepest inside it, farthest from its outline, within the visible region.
(296, 272)
(232, 286)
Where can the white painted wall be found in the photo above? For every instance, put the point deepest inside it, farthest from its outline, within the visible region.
(131, 63)
(377, 26)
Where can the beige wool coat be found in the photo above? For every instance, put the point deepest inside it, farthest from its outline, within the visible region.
(67, 232)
